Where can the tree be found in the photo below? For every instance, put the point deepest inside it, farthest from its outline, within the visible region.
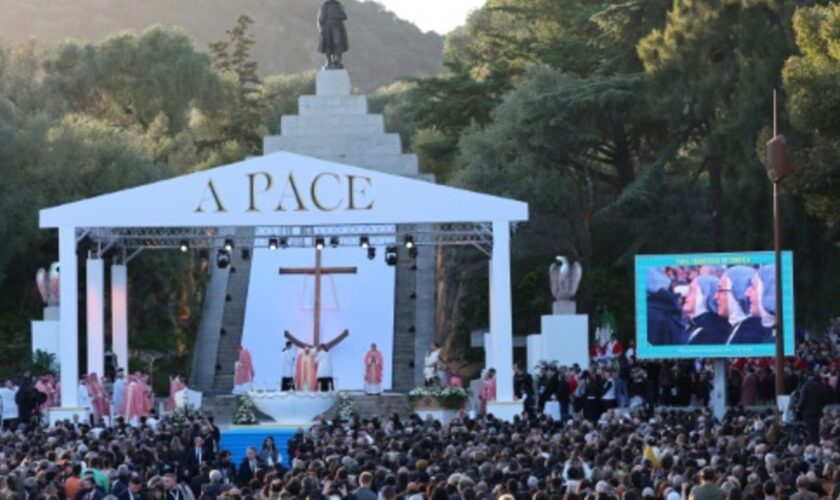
(716, 64)
(130, 80)
(812, 81)
(232, 57)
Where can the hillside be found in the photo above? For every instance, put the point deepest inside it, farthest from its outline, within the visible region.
(382, 46)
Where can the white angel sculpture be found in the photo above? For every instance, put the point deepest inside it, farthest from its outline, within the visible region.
(48, 284)
(565, 278)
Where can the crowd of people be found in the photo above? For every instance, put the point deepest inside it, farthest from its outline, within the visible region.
(665, 454)
(621, 436)
(28, 399)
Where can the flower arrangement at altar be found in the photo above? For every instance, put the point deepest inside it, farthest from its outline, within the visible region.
(184, 414)
(345, 406)
(245, 411)
(448, 398)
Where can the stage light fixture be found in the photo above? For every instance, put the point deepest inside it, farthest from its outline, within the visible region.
(371, 251)
(412, 252)
(319, 243)
(409, 241)
(185, 246)
(223, 259)
(364, 242)
(272, 244)
(391, 255)
(246, 254)
(334, 241)
(229, 245)
(284, 242)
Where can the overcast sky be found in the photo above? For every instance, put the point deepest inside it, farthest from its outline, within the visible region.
(435, 15)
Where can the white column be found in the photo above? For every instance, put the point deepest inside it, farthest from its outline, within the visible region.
(501, 321)
(69, 317)
(119, 314)
(96, 316)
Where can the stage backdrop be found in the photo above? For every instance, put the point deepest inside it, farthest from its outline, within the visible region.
(711, 305)
(362, 303)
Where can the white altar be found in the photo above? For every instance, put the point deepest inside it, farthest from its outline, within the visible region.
(293, 408)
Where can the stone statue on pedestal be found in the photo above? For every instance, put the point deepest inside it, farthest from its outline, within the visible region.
(565, 279)
(333, 41)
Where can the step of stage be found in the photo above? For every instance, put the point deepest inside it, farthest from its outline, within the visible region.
(381, 406)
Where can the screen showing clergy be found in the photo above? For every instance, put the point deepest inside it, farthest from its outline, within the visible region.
(711, 305)
(311, 317)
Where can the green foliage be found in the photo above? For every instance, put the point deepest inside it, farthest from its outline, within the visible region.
(383, 46)
(130, 80)
(43, 363)
(812, 80)
(279, 96)
(232, 57)
(632, 128)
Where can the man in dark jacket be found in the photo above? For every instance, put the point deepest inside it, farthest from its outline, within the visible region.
(563, 394)
(226, 467)
(816, 394)
(134, 490)
(548, 386)
(523, 388)
(248, 467)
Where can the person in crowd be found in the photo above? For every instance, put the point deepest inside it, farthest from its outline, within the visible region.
(248, 468)
(268, 454)
(323, 359)
(523, 389)
(664, 318)
(733, 304)
(707, 326)
(288, 359)
(487, 391)
(816, 395)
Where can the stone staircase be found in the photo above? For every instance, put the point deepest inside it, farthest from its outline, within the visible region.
(233, 318)
(382, 406)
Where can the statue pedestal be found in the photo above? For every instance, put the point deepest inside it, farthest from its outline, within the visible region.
(564, 339)
(564, 307)
(45, 333)
(332, 82)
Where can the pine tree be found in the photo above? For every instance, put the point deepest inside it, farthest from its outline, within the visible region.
(234, 56)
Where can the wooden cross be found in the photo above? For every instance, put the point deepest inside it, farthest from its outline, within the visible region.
(317, 271)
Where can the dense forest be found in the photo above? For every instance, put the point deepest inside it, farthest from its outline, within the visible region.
(384, 47)
(631, 127)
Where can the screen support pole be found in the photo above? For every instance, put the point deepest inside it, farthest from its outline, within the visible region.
(719, 389)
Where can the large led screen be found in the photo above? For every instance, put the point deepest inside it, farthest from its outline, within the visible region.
(711, 305)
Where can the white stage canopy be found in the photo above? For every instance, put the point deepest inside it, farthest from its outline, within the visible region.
(293, 197)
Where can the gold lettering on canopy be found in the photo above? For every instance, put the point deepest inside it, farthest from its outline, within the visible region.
(314, 192)
(323, 198)
(211, 188)
(351, 187)
(291, 185)
(252, 195)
